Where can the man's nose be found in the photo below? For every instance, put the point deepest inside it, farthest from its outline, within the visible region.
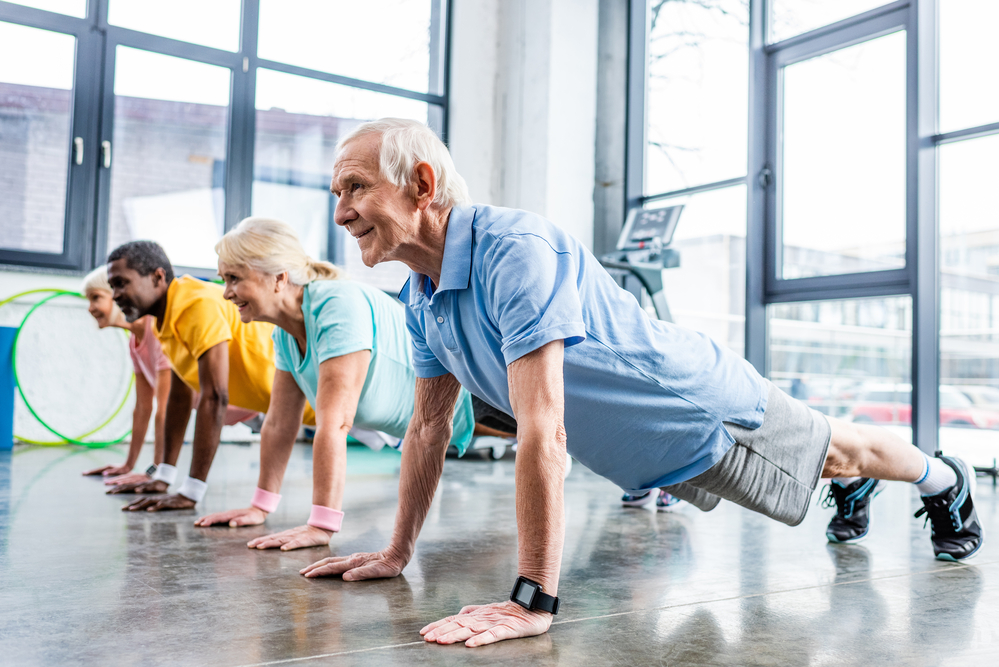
(343, 213)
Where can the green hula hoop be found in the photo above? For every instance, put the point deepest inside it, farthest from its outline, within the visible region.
(3, 303)
(65, 438)
(35, 291)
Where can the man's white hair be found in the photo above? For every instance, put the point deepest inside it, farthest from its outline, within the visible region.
(406, 142)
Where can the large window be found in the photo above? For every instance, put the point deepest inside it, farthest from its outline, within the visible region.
(35, 136)
(695, 155)
(849, 358)
(299, 122)
(169, 154)
(128, 119)
(856, 220)
(842, 160)
(696, 93)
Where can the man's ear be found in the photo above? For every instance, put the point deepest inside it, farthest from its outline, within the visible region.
(159, 275)
(424, 184)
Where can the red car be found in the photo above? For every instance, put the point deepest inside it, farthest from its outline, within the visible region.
(892, 404)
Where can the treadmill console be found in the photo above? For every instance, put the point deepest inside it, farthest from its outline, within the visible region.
(645, 228)
(642, 251)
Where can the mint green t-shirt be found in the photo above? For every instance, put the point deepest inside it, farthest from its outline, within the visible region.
(343, 316)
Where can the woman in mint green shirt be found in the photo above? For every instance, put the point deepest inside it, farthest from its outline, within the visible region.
(341, 345)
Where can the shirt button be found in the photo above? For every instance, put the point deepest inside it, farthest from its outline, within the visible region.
(440, 320)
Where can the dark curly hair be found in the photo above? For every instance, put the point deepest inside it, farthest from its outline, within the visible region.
(144, 257)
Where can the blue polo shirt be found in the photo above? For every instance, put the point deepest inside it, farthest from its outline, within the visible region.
(644, 399)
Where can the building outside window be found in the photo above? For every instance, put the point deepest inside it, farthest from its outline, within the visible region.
(147, 125)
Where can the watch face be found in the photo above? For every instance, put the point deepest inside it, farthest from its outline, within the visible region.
(525, 594)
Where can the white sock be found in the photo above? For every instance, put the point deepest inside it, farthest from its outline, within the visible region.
(937, 476)
(845, 481)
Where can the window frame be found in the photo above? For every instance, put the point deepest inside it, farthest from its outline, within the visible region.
(920, 278)
(88, 193)
(80, 178)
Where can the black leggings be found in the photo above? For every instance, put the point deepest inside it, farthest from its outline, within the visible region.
(494, 418)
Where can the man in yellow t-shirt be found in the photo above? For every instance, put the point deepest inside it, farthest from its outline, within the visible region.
(196, 319)
(210, 351)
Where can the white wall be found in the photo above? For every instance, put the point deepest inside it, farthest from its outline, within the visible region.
(523, 105)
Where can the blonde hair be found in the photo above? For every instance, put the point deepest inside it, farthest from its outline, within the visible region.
(272, 247)
(97, 281)
(406, 142)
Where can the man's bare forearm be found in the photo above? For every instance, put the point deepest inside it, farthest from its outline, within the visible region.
(207, 431)
(540, 468)
(178, 413)
(538, 399)
(423, 459)
(159, 428)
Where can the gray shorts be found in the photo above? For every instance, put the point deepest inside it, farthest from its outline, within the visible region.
(771, 470)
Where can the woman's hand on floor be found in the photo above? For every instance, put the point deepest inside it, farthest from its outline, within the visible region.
(380, 565)
(108, 470)
(249, 516)
(130, 478)
(154, 486)
(293, 538)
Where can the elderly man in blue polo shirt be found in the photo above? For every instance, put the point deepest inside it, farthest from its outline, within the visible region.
(521, 313)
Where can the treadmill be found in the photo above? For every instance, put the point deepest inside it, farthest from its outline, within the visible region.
(643, 252)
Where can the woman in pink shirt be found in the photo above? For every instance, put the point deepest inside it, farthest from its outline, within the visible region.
(152, 381)
(152, 375)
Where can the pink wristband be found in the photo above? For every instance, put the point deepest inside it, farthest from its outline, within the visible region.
(326, 518)
(265, 500)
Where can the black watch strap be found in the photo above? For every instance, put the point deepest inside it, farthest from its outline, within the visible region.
(151, 470)
(529, 595)
(545, 602)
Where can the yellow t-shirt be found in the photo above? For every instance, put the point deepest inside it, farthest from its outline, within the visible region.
(196, 319)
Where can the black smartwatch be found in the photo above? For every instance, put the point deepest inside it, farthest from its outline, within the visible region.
(528, 594)
(151, 470)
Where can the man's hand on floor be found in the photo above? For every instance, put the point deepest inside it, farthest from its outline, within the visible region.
(174, 501)
(478, 625)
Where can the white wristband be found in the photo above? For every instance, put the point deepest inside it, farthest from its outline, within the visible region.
(194, 489)
(165, 473)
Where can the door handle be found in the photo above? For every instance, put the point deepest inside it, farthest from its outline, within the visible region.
(106, 153)
(78, 150)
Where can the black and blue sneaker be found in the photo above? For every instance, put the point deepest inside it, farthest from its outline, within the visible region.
(954, 527)
(852, 502)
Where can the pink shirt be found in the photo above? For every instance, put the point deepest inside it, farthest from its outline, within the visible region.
(148, 357)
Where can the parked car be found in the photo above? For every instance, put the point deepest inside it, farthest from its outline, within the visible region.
(986, 398)
(892, 404)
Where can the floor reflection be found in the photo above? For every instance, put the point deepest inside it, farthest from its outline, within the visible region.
(83, 582)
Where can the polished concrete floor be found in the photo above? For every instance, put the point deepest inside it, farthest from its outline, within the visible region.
(84, 583)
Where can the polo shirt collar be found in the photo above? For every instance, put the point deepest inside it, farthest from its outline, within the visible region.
(456, 268)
